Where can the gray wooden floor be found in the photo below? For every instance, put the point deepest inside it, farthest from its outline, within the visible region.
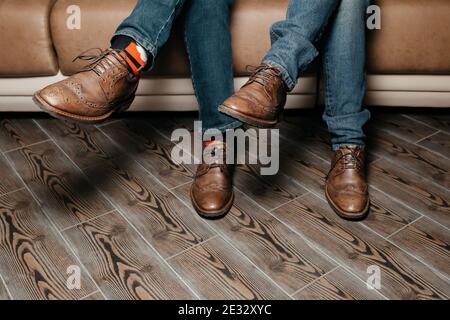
(109, 200)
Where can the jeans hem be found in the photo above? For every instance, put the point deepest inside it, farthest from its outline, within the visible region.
(336, 146)
(288, 81)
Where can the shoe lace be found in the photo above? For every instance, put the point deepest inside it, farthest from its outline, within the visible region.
(262, 75)
(217, 164)
(96, 60)
(351, 160)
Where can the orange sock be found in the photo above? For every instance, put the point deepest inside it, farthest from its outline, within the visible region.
(135, 56)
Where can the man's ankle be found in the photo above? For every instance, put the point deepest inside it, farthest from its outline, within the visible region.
(134, 54)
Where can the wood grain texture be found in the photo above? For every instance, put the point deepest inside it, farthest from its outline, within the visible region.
(95, 296)
(214, 270)
(387, 215)
(166, 124)
(16, 133)
(400, 126)
(269, 191)
(121, 263)
(3, 293)
(355, 247)
(415, 191)
(62, 190)
(151, 149)
(304, 167)
(428, 241)
(307, 133)
(34, 258)
(9, 181)
(270, 245)
(163, 220)
(338, 285)
(84, 144)
(439, 119)
(412, 157)
(439, 143)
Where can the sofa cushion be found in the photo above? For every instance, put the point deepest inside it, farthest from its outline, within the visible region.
(25, 36)
(251, 20)
(414, 38)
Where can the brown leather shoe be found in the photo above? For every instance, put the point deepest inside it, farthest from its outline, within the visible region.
(260, 101)
(346, 187)
(103, 87)
(212, 190)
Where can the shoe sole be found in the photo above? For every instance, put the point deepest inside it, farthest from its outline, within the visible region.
(344, 215)
(259, 123)
(213, 214)
(62, 115)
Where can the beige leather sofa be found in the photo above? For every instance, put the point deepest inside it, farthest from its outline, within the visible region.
(408, 60)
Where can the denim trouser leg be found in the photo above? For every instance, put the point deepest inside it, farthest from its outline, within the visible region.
(343, 60)
(293, 40)
(208, 43)
(151, 22)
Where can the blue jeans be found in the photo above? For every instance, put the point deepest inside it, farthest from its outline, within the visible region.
(295, 43)
(208, 43)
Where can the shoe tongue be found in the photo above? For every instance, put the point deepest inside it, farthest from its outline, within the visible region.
(117, 60)
(214, 151)
(350, 149)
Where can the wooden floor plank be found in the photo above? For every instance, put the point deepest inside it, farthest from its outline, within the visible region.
(402, 277)
(16, 133)
(216, 271)
(439, 143)
(62, 190)
(412, 157)
(400, 126)
(151, 149)
(255, 255)
(9, 181)
(34, 259)
(307, 133)
(428, 241)
(386, 215)
(269, 191)
(415, 191)
(279, 252)
(121, 263)
(84, 144)
(304, 167)
(162, 219)
(440, 120)
(338, 285)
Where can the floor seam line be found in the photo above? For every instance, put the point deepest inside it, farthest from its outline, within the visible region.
(11, 192)
(315, 280)
(194, 246)
(425, 138)
(87, 220)
(404, 227)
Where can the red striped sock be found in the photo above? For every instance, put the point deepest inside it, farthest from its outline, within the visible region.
(135, 56)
